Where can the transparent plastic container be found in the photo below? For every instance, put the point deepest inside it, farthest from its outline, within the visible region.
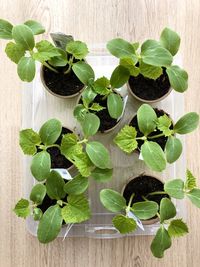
(38, 106)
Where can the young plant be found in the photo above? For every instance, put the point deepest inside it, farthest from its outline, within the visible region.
(170, 227)
(90, 157)
(152, 58)
(148, 123)
(69, 205)
(25, 51)
(102, 89)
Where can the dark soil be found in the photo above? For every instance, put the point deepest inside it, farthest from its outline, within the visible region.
(141, 186)
(57, 159)
(160, 140)
(60, 83)
(149, 89)
(106, 122)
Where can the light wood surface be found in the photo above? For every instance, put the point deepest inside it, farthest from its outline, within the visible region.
(93, 21)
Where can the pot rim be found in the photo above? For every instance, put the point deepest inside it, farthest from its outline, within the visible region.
(51, 92)
(110, 129)
(145, 100)
(150, 221)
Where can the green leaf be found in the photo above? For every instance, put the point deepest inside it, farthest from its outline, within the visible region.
(170, 40)
(147, 119)
(46, 51)
(40, 166)
(37, 214)
(50, 224)
(26, 69)
(119, 77)
(88, 96)
(84, 72)
(163, 124)
(121, 48)
(35, 26)
(145, 210)
(38, 193)
(136, 45)
(102, 175)
(50, 131)
(177, 228)
(59, 60)
(153, 156)
(112, 200)
(79, 112)
(78, 49)
(175, 188)
(23, 35)
(129, 63)
(5, 29)
(96, 107)
(187, 123)
(55, 186)
(28, 139)
(149, 71)
(83, 164)
(167, 209)
(90, 124)
(156, 55)
(190, 182)
(115, 105)
(178, 78)
(77, 210)
(22, 208)
(69, 145)
(124, 224)
(101, 86)
(161, 242)
(98, 154)
(14, 51)
(173, 149)
(61, 40)
(194, 196)
(125, 139)
(150, 44)
(77, 185)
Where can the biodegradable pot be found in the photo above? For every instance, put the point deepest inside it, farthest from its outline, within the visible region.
(64, 80)
(142, 185)
(101, 114)
(161, 140)
(152, 87)
(57, 159)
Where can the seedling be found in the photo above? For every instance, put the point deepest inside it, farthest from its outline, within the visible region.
(25, 51)
(152, 58)
(170, 227)
(148, 123)
(90, 157)
(102, 91)
(69, 205)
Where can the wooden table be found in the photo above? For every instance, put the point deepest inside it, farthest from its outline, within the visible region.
(93, 21)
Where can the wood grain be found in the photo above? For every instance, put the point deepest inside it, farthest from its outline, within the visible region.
(93, 21)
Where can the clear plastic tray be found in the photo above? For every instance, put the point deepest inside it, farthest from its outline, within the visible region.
(38, 106)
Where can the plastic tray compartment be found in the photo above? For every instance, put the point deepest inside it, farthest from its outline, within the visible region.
(38, 106)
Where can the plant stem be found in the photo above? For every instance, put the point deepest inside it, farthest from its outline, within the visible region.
(70, 62)
(54, 145)
(156, 136)
(157, 193)
(141, 138)
(130, 200)
(83, 141)
(145, 198)
(49, 67)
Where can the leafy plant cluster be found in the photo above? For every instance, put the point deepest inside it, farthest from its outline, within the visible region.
(25, 51)
(105, 89)
(170, 226)
(148, 123)
(152, 57)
